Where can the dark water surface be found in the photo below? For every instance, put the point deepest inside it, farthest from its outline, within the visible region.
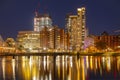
(60, 68)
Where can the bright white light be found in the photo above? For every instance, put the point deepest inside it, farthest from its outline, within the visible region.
(118, 46)
(50, 29)
(44, 48)
(34, 78)
(103, 59)
(30, 62)
(79, 9)
(44, 62)
(30, 48)
(71, 64)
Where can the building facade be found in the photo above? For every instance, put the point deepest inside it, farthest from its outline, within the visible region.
(76, 29)
(52, 39)
(29, 41)
(112, 41)
(67, 42)
(1, 41)
(44, 39)
(48, 39)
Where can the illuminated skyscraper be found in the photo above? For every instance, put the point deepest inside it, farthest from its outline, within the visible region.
(41, 21)
(76, 29)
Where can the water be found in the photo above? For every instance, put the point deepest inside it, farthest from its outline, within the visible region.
(60, 68)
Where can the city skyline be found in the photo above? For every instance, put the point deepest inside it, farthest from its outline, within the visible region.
(101, 15)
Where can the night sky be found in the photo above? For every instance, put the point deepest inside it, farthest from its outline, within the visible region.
(17, 15)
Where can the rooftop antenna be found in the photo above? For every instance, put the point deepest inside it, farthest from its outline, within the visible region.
(45, 9)
(83, 3)
(37, 9)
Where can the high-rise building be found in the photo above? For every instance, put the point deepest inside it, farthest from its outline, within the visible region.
(52, 39)
(41, 21)
(76, 28)
(58, 38)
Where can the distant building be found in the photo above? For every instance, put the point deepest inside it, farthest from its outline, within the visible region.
(1, 41)
(76, 28)
(9, 45)
(28, 41)
(41, 21)
(112, 41)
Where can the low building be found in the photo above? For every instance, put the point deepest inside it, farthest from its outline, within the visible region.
(112, 41)
(1, 41)
(29, 41)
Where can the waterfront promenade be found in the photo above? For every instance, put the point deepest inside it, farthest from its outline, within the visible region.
(60, 54)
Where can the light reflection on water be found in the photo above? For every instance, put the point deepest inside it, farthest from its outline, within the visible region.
(60, 68)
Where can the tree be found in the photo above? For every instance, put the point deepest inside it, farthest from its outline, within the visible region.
(10, 42)
(101, 45)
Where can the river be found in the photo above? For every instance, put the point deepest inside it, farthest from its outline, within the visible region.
(60, 68)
